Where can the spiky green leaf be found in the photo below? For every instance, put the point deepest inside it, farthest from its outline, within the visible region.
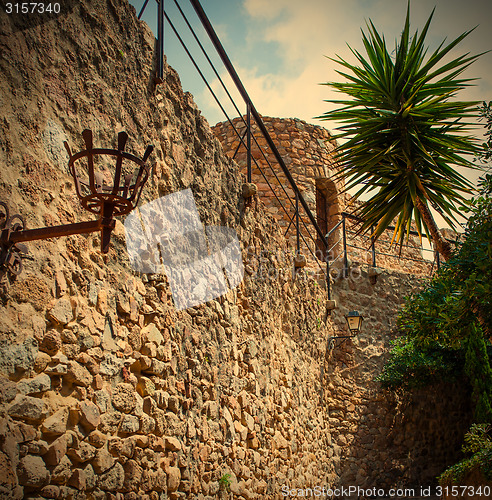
(404, 132)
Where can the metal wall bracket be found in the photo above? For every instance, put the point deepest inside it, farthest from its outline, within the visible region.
(333, 341)
(104, 200)
(11, 253)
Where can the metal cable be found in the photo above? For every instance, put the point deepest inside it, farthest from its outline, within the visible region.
(208, 58)
(197, 67)
(240, 116)
(142, 9)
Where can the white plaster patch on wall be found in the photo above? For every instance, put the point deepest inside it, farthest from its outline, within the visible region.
(52, 138)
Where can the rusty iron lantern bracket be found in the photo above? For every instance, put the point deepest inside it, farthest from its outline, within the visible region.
(106, 201)
(333, 344)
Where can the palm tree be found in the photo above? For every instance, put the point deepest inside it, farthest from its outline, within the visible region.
(406, 135)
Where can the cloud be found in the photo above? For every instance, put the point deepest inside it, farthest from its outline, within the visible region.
(266, 10)
(303, 32)
(282, 62)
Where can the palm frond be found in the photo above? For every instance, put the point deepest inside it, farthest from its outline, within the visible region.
(404, 132)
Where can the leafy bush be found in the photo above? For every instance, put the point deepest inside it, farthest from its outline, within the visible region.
(478, 442)
(446, 327)
(412, 366)
(485, 114)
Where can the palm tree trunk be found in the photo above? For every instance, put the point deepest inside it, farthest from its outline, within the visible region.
(442, 246)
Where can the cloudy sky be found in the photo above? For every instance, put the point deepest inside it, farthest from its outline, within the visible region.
(280, 47)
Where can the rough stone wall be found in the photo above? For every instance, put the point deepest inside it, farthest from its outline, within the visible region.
(307, 151)
(370, 427)
(106, 390)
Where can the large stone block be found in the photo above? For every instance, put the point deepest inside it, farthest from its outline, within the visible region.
(83, 453)
(62, 312)
(173, 478)
(130, 424)
(133, 475)
(123, 398)
(103, 461)
(28, 408)
(8, 390)
(78, 374)
(57, 450)
(32, 472)
(38, 384)
(89, 415)
(17, 358)
(112, 479)
(151, 334)
(62, 472)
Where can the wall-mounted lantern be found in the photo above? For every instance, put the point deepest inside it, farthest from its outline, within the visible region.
(100, 191)
(354, 323)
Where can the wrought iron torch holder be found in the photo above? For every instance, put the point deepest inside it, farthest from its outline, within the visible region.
(106, 201)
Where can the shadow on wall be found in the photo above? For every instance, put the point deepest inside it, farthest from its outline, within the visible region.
(382, 439)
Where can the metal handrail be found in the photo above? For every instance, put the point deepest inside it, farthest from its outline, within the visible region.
(247, 138)
(346, 215)
(335, 244)
(251, 111)
(241, 89)
(248, 135)
(333, 228)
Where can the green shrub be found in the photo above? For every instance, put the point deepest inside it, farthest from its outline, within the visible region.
(446, 328)
(478, 443)
(412, 366)
(225, 481)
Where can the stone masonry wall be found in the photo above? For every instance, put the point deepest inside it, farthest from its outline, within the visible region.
(307, 151)
(106, 390)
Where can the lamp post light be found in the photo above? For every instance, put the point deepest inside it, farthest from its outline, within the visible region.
(101, 193)
(354, 323)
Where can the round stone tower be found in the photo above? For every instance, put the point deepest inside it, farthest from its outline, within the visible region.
(307, 151)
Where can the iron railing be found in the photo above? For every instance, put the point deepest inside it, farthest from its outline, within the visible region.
(296, 210)
(385, 243)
